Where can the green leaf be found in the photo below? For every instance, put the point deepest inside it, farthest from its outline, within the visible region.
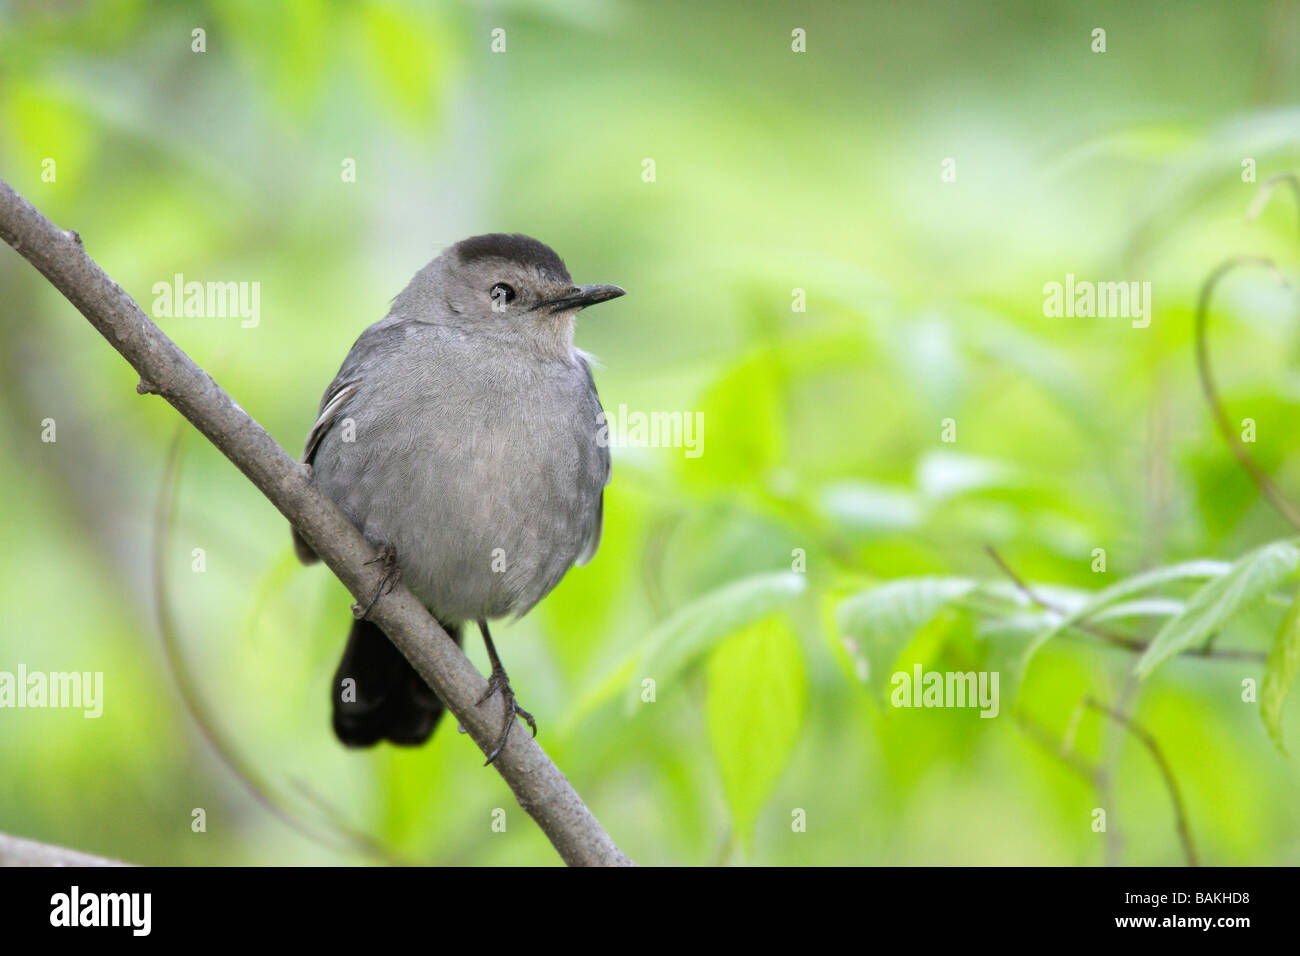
(410, 60)
(700, 625)
(756, 693)
(1122, 590)
(1247, 583)
(684, 636)
(745, 426)
(1280, 672)
(870, 508)
(613, 679)
(883, 619)
(1142, 607)
(945, 474)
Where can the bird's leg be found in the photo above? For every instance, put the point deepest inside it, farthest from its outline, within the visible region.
(500, 682)
(387, 556)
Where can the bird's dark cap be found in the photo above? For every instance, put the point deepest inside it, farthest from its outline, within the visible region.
(513, 247)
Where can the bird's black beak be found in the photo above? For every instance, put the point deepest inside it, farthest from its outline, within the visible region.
(580, 298)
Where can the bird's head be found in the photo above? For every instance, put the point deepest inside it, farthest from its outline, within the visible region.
(503, 285)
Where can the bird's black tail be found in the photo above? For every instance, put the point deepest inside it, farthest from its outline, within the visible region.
(378, 695)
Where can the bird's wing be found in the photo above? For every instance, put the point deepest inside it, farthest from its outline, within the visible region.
(340, 390)
(592, 541)
(380, 341)
(336, 396)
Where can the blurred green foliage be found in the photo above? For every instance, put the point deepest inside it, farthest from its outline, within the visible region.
(827, 535)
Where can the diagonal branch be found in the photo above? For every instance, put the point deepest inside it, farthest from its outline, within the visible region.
(1157, 755)
(165, 370)
(16, 851)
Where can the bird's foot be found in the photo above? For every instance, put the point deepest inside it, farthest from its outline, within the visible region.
(500, 682)
(387, 556)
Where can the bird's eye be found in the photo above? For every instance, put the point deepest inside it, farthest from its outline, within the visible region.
(501, 294)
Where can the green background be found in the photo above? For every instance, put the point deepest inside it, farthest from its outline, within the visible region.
(774, 171)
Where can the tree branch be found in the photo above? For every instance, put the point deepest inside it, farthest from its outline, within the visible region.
(1171, 783)
(165, 370)
(1131, 644)
(15, 851)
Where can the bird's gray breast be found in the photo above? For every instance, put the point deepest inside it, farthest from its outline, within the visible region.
(480, 466)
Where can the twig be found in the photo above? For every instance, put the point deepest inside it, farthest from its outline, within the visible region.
(1096, 774)
(15, 851)
(1059, 749)
(263, 793)
(1265, 193)
(536, 782)
(1262, 481)
(1132, 644)
(1175, 796)
(1119, 640)
(1112, 749)
(364, 841)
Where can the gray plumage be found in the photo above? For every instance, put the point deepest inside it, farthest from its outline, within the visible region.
(462, 431)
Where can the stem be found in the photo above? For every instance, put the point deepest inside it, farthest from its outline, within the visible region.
(1257, 474)
(1175, 796)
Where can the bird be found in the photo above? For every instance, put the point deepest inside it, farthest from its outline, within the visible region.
(464, 437)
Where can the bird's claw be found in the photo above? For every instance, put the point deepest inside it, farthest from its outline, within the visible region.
(500, 682)
(387, 556)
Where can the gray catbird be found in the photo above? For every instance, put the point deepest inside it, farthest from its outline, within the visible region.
(462, 435)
